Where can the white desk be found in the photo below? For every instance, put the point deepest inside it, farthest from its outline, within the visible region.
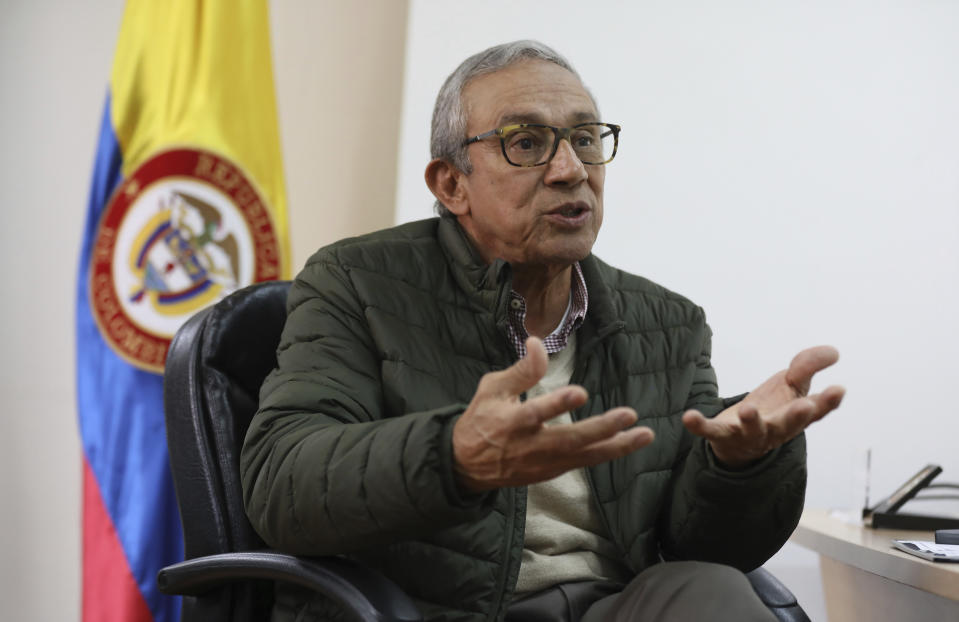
(864, 578)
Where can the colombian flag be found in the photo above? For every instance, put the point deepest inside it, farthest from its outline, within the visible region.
(187, 204)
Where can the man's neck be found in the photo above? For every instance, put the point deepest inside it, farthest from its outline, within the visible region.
(546, 295)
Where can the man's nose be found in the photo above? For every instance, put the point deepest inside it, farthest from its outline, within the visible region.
(565, 167)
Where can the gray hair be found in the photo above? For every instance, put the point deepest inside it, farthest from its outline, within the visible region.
(448, 130)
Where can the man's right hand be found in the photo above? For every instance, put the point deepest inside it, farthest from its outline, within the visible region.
(500, 441)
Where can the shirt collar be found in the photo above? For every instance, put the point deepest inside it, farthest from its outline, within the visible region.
(559, 338)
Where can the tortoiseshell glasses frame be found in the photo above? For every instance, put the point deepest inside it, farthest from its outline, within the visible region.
(533, 144)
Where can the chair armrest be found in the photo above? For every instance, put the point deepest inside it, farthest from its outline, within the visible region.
(776, 596)
(363, 591)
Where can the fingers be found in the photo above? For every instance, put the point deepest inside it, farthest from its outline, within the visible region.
(747, 427)
(736, 438)
(621, 444)
(752, 424)
(776, 412)
(520, 376)
(577, 435)
(741, 433)
(796, 416)
(826, 401)
(807, 363)
(726, 427)
(803, 412)
(594, 440)
(696, 423)
(545, 452)
(543, 408)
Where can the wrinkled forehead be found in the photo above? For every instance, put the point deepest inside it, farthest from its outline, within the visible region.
(528, 91)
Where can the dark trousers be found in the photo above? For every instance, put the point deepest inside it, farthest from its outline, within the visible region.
(666, 592)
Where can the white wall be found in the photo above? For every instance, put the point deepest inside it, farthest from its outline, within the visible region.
(793, 168)
(338, 68)
(54, 63)
(339, 74)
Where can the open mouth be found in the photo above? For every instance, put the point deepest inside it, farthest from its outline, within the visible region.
(571, 210)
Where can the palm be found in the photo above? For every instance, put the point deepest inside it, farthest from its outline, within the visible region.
(775, 412)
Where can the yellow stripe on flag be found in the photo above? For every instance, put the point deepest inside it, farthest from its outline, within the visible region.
(199, 73)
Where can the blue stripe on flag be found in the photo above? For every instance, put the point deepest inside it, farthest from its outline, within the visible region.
(121, 419)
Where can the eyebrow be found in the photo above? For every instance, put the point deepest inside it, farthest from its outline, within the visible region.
(535, 117)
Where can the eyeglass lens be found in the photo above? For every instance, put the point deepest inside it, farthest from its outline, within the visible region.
(529, 146)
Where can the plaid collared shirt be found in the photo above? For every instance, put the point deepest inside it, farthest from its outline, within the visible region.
(555, 341)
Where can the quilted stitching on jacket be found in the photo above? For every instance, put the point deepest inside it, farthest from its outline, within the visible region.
(390, 334)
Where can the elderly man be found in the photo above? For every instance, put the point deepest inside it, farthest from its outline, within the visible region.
(505, 425)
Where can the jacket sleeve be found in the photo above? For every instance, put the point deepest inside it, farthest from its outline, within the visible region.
(740, 518)
(324, 469)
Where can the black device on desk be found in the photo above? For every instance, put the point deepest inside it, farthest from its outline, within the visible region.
(886, 513)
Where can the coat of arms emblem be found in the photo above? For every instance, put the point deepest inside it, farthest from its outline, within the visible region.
(184, 230)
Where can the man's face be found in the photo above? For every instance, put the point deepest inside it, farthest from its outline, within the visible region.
(545, 216)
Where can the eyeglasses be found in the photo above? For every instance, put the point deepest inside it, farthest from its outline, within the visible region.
(532, 144)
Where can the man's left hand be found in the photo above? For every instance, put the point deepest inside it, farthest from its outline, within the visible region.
(776, 412)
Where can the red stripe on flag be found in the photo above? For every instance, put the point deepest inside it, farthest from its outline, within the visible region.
(110, 593)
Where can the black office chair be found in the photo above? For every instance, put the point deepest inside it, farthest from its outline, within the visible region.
(214, 369)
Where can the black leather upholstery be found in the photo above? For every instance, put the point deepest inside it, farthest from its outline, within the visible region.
(776, 596)
(216, 364)
(214, 369)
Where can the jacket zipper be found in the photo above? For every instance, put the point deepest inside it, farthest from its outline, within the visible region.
(578, 376)
(498, 611)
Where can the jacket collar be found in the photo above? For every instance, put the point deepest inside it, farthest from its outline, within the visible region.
(602, 318)
(472, 274)
(492, 282)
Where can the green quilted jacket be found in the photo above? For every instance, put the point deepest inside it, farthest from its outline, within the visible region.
(387, 337)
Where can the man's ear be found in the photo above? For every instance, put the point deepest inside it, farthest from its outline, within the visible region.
(445, 181)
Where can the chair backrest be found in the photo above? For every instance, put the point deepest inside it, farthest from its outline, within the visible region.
(214, 369)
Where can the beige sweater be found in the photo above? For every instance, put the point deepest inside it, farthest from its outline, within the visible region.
(565, 537)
